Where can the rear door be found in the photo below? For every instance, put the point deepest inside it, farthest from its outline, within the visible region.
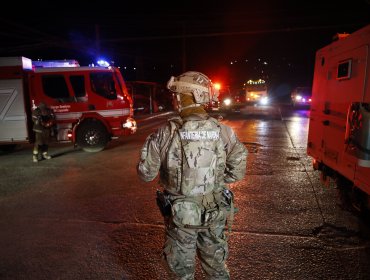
(345, 82)
(13, 116)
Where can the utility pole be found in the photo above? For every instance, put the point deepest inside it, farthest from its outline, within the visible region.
(183, 47)
(97, 40)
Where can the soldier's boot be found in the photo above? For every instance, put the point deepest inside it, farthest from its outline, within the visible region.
(45, 155)
(35, 156)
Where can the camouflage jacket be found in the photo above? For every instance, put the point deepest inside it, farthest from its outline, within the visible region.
(162, 154)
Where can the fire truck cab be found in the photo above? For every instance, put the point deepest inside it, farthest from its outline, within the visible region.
(91, 104)
(339, 126)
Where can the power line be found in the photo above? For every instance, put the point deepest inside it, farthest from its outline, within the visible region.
(222, 34)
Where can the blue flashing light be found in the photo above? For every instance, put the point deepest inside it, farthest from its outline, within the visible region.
(103, 63)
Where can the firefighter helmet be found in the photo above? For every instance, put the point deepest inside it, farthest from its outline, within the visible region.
(42, 105)
(195, 83)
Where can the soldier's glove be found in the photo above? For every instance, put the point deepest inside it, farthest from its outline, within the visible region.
(228, 197)
(163, 203)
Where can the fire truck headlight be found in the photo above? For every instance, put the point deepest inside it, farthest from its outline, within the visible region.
(130, 124)
(298, 97)
(227, 101)
(264, 100)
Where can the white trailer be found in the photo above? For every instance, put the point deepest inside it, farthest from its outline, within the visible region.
(14, 122)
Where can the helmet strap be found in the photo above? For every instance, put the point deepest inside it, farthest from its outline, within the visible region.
(190, 106)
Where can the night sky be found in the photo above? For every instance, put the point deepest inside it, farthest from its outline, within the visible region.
(230, 41)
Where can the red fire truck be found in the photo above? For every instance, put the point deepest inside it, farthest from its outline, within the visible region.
(339, 127)
(91, 104)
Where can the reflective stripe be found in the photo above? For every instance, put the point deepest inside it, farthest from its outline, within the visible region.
(114, 113)
(66, 116)
(103, 113)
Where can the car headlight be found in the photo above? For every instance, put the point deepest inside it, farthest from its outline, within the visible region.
(264, 100)
(227, 101)
(130, 124)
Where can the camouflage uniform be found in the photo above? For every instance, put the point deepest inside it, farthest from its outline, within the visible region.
(43, 120)
(195, 156)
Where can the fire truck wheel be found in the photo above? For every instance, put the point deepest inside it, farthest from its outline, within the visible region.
(92, 136)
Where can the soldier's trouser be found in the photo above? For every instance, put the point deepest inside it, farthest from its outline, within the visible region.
(182, 245)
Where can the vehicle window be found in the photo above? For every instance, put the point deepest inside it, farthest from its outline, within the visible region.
(103, 84)
(118, 82)
(55, 87)
(344, 70)
(130, 89)
(78, 85)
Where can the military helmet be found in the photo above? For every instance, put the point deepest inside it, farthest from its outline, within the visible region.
(196, 83)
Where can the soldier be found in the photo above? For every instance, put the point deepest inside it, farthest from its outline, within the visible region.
(43, 120)
(195, 156)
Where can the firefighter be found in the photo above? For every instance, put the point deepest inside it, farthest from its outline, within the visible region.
(195, 156)
(43, 120)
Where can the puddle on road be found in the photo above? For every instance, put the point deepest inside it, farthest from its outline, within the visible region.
(252, 147)
(293, 158)
(339, 237)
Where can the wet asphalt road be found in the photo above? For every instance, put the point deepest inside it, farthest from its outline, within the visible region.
(87, 216)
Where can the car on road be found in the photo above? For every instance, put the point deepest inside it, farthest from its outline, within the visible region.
(301, 96)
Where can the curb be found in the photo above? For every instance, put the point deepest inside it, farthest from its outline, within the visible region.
(143, 118)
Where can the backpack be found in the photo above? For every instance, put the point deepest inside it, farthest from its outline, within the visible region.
(195, 157)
